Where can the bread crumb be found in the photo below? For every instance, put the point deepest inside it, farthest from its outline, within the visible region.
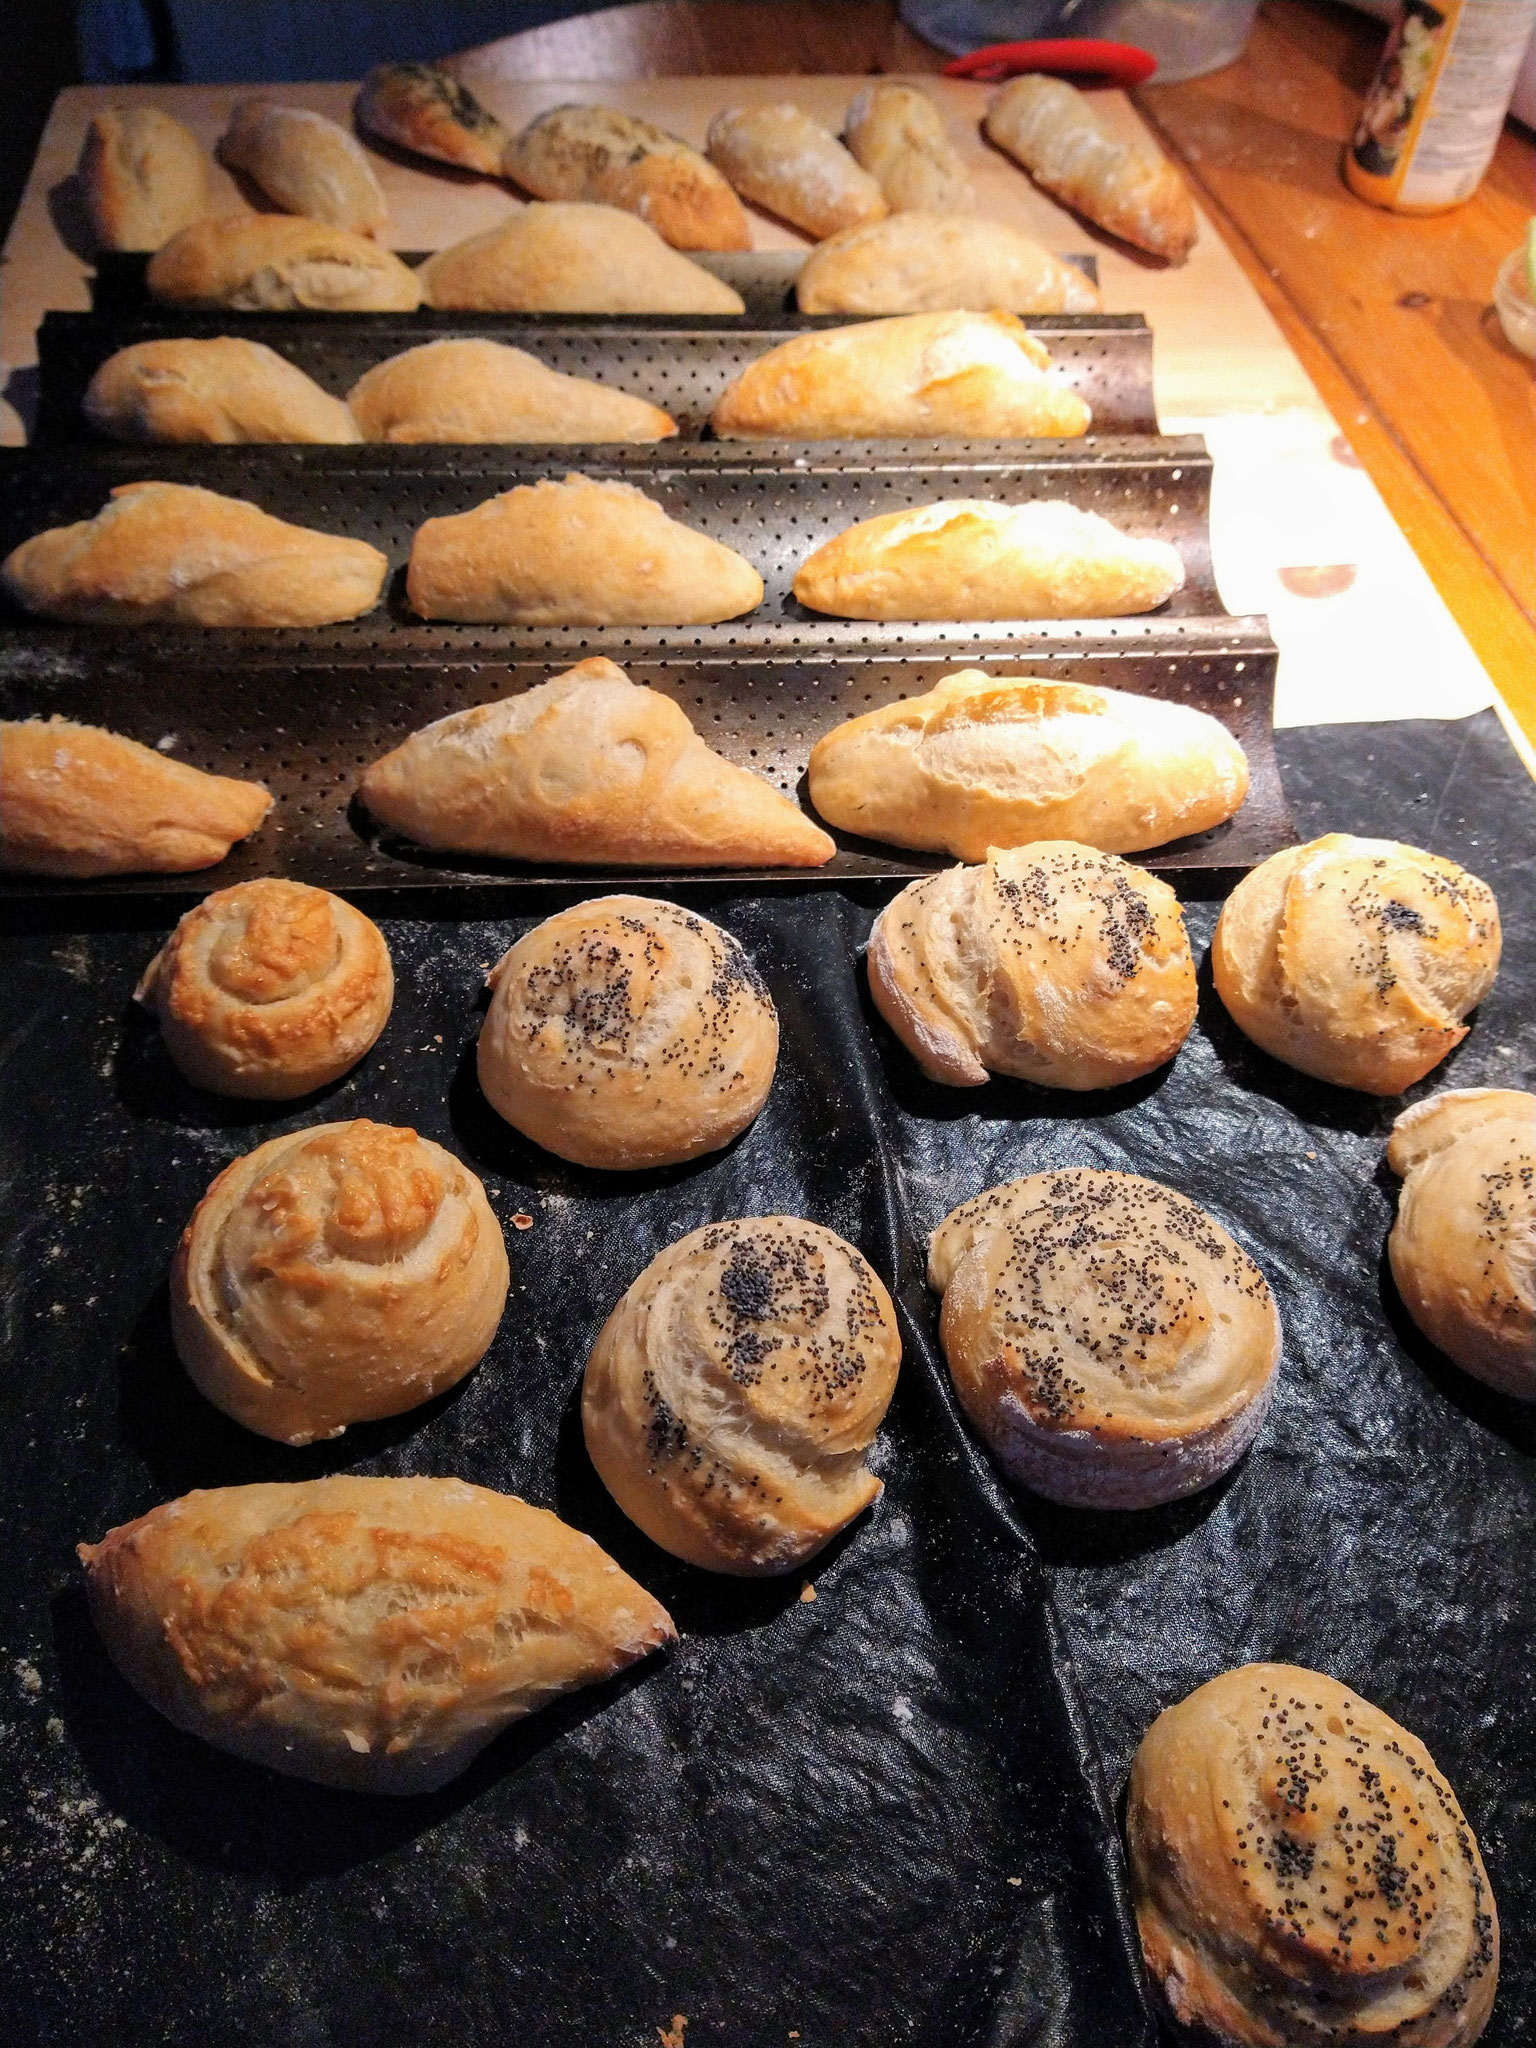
(807, 1594)
(672, 2037)
(1016, 1880)
(522, 1220)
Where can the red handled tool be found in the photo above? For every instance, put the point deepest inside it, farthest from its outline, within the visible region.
(1073, 56)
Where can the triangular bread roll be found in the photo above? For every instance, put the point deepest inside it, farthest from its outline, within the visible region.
(466, 389)
(586, 768)
(569, 257)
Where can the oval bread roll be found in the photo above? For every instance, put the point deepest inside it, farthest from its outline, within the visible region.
(1126, 186)
(577, 553)
(898, 135)
(980, 375)
(222, 390)
(587, 767)
(269, 989)
(1355, 960)
(627, 1033)
(369, 1633)
(159, 554)
(305, 164)
(731, 1396)
(471, 390)
(781, 159)
(78, 801)
(336, 1275)
(145, 177)
(423, 108)
(1108, 1339)
(1052, 962)
(572, 259)
(921, 262)
(1463, 1248)
(972, 558)
(277, 263)
(982, 761)
(1302, 1872)
(614, 159)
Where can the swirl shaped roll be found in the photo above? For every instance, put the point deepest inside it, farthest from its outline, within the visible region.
(336, 1275)
(270, 989)
(731, 1396)
(1303, 1875)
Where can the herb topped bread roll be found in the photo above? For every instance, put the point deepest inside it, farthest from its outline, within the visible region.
(1355, 960)
(571, 259)
(982, 761)
(980, 375)
(221, 390)
(614, 159)
(628, 1033)
(374, 1634)
(336, 1275)
(1303, 1873)
(279, 263)
(144, 175)
(269, 989)
(898, 135)
(587, 767)
(79, 801)
(731, 1396)
(1051, 962)
(922, 262)
(305, 164)
(781, 159)
(1109, 1340)
(174, 554)
(1127, 187)
(476, 390)
(973, 558)
(1463, 1248)
(422, 108)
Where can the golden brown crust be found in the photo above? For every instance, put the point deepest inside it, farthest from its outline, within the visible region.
(732, 1394)
(476, 390)
(627, 1033)
(336, 1275)
(980, 375)
(975, 558)
(1051, 962)
(279, 263)
(1463, 1247)
(1128, 187)
(270, 989)
(1110, 1341)
(781, 159)
(613, 159)
(423, 108)
(78, 801)
(923, 262)
(1355, 960)
(1303, 1875)
(305, 164)
(982, 761)
(221, 390)
(369, 1633)
(575, 553)
(145, 177)
(587, 767)
(571, 259)
(898, 135)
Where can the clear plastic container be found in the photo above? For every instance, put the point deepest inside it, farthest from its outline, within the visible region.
(1187, 37)
(1512, 296)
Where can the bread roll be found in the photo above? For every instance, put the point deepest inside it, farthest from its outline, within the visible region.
(731, 1396)
(614, 159)
(1355, 960)
(1463, 1248)
(369, 1633)
(982, 761)
(422, 108)
(78, 801)
(1127, 187)
(1109, 1340)
(898, 135)
(1302, 1872)
(221, 390)
(920, 262)
(269, 989)
(973, 558)
(779, 158)
(979, 375)
(275, 263)
(577, 553)
(628, 1033)
(1051, 962)
(159, 554)
(144, 176)
(587, 767)
(572, 259)
(305, 164)
(336, 1275)
(469, 390)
